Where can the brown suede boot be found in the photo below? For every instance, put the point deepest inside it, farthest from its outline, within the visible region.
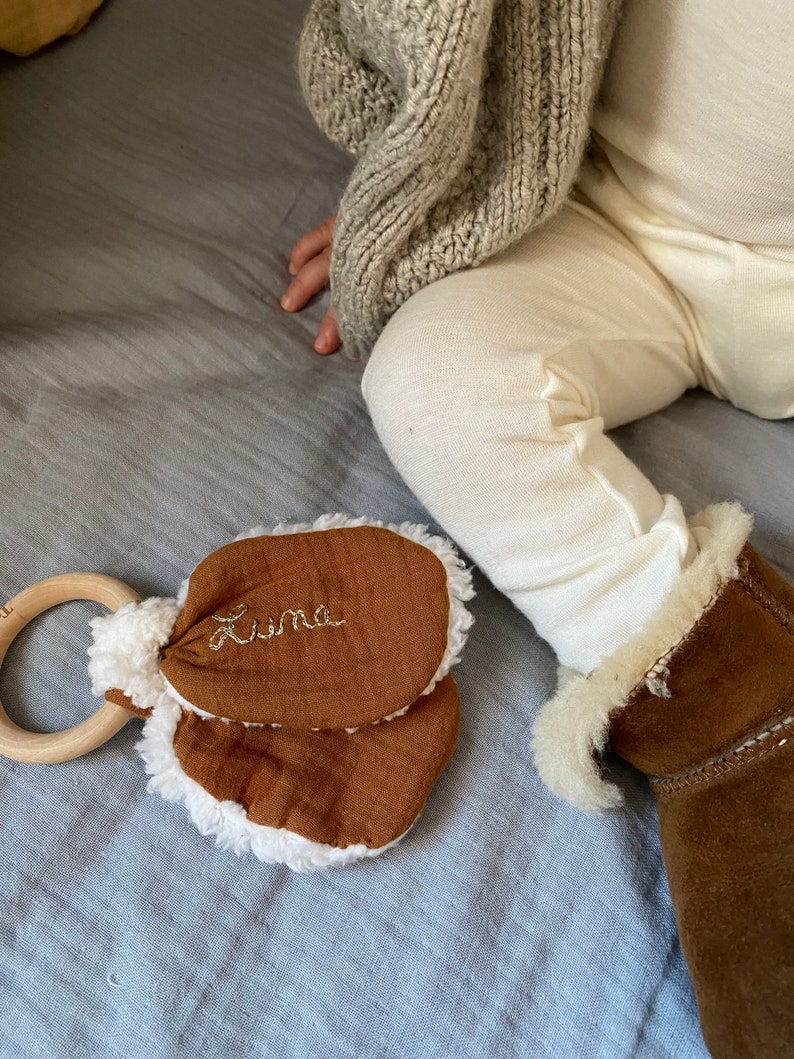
(702, 701)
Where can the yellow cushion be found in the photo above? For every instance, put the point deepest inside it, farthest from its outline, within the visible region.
(27, 25)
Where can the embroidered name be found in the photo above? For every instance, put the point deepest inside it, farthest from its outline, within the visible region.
(229, 629)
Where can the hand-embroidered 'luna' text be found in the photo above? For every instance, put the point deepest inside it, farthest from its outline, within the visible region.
(297, 618)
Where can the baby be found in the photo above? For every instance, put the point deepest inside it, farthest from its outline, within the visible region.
(667, 264)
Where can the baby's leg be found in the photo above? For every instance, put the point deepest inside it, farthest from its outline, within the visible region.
(491, 390)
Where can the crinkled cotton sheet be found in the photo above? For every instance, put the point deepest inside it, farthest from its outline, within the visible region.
(154, 172)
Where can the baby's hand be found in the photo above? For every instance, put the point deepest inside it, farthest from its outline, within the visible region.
(309, 263)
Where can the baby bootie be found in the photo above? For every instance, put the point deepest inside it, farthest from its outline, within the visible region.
(296, 694)
(702, 701)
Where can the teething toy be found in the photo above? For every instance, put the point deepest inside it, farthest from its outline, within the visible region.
(296, 694)
(21, 745)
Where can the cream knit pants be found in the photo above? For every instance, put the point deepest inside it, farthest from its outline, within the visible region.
(491, 390)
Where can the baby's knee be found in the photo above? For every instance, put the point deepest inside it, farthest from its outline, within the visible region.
(449, 371)
(393, 371)
(420, 366)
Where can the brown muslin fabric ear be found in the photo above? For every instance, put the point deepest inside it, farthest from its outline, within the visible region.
(332, 629)
(333, 787)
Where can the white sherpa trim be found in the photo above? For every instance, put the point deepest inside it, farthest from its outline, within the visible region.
(205, 716)
(573, 727)
(125, 653)
(181, 596)
(459, 580)
(227, 820)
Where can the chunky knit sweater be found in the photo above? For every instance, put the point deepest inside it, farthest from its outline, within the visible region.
(467, 120)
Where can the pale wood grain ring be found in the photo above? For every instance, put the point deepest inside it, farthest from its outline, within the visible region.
(18, 743)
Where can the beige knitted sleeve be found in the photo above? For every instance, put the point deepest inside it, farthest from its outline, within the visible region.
(412, 165)
(349, 99)
(468, 119)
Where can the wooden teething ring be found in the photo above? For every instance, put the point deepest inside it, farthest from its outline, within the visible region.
(44, 749)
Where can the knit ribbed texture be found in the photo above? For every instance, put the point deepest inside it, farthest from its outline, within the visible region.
(467, 118)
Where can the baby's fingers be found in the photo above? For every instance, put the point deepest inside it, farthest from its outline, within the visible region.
(311, 244)
(328, 340)
(311, 279)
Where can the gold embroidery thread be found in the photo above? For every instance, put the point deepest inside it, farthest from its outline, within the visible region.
(297, 618)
